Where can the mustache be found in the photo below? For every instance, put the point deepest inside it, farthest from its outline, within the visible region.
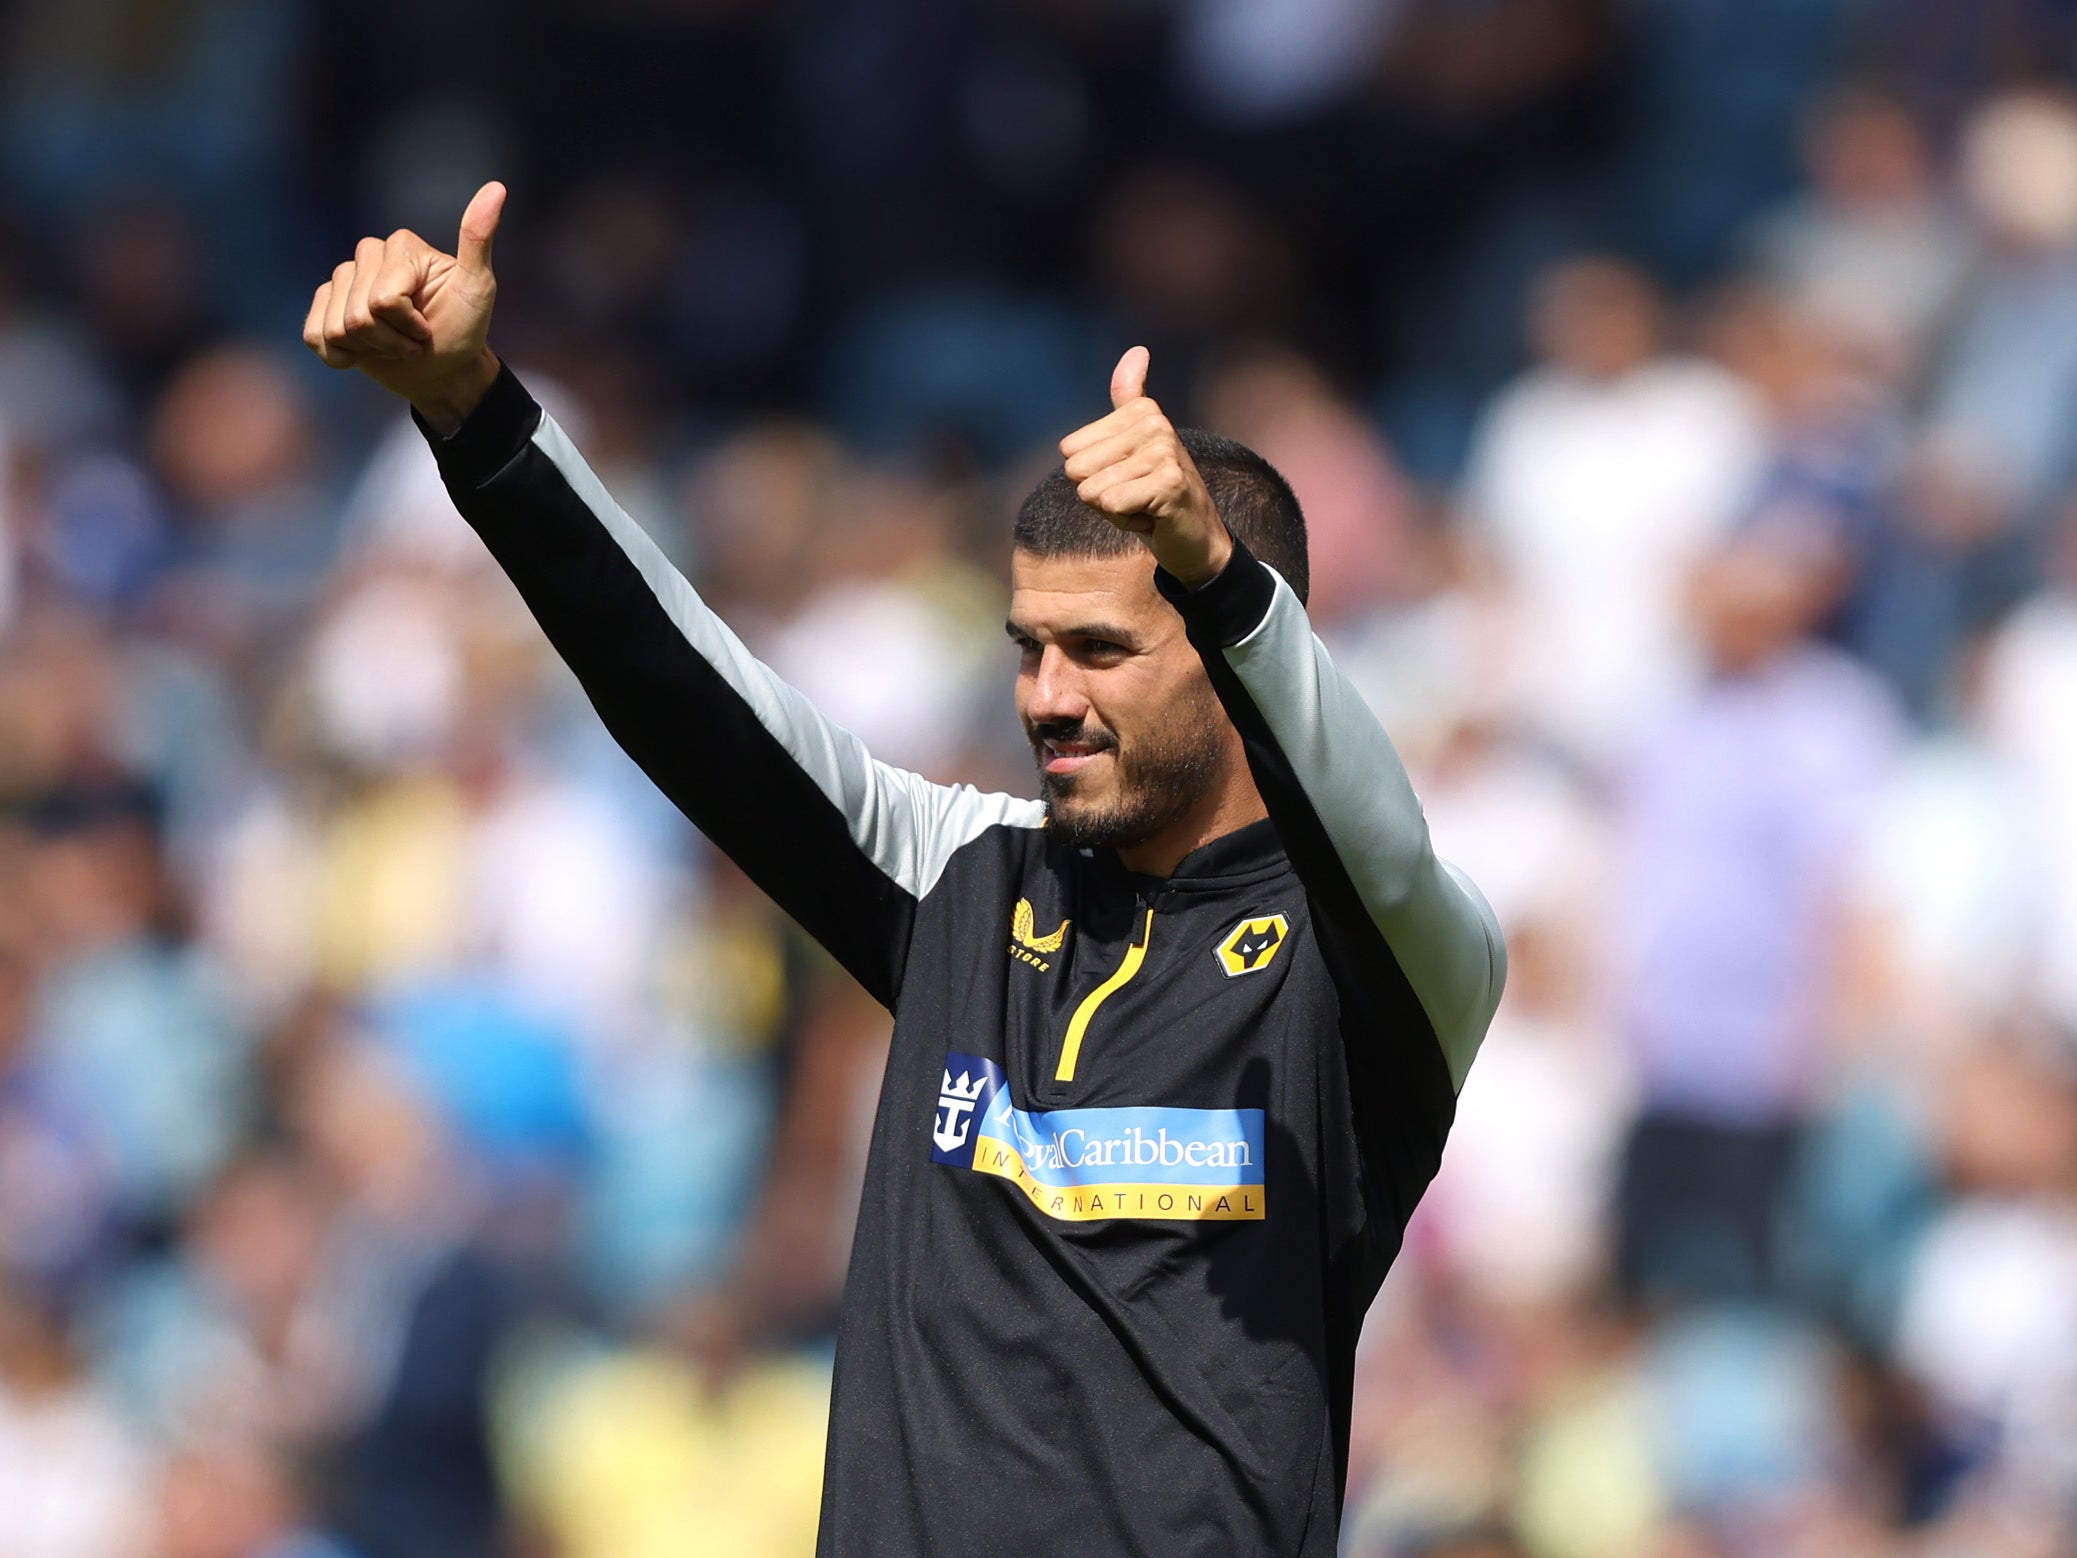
(1074, 731)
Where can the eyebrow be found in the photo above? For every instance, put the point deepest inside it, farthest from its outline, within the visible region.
(1123, 637)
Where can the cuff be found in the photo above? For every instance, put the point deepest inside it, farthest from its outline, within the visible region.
(1227, 607)
(492, 435)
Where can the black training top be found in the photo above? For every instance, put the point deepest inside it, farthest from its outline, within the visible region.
(1144, 1147)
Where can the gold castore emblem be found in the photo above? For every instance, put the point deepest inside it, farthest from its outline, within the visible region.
(1026, 944)
(1253, 944)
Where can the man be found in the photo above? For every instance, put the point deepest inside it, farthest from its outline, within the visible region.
(1739, 818)
(1597, 479)
(1175, 1047)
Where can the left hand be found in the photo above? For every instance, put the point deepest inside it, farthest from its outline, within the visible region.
(1132, 468)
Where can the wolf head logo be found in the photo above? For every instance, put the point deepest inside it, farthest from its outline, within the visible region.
(1253, 944)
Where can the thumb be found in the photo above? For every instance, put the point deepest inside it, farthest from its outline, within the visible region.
(1129, 378)
(479, 226)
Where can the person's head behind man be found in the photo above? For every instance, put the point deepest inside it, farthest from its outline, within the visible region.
(1132, 744)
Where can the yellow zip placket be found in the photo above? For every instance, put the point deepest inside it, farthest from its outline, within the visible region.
(1078, 1025)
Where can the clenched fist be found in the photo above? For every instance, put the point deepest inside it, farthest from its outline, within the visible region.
(415, 319)
(1132, 468)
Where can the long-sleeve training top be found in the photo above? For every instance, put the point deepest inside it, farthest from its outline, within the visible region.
(1145, 1146)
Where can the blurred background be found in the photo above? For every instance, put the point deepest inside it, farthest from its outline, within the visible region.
(414, 1141)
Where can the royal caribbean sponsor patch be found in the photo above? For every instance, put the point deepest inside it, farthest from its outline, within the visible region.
(1082, 1165)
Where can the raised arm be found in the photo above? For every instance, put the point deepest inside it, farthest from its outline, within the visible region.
(844, 843)
(1342, 801)
(1395, 921)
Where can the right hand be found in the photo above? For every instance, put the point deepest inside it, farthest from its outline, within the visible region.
(414, 319)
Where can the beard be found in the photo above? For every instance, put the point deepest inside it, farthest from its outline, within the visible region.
(1160, 777)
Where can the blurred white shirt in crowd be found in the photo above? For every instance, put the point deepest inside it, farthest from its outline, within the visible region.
(1597, 498)
(386, 670)
(1988, 1326)
(1952, 874)
(71, 1479)
(1526, 1178)
(2030, 697)
(568, 902)
(1519, 1204)
(882, 661)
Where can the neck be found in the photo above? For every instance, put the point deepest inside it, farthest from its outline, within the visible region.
(1230, 807)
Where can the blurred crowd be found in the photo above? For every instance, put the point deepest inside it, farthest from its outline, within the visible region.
(415, 1143)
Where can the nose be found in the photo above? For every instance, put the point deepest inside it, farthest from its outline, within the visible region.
(1052, 688)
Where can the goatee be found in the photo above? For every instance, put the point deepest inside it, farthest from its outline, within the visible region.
(1160, 778)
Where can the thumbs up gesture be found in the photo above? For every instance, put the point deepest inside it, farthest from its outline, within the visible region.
(415, 319)
(1132, 468)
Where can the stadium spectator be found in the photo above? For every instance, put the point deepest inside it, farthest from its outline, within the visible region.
(1738, 824)
(1872, 250)
(69, 1464)
(1597, 481)
(2029, 676)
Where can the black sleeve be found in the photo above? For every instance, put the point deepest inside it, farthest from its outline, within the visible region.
(848, 846)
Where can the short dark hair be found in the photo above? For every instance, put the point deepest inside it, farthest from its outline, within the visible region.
(1256, 502)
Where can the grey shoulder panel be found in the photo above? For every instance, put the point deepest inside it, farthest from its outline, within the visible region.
(1437, 923)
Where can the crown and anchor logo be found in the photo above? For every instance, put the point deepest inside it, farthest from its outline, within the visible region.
(957, 1100)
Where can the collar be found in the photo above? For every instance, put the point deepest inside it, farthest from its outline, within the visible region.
(1245, 854)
